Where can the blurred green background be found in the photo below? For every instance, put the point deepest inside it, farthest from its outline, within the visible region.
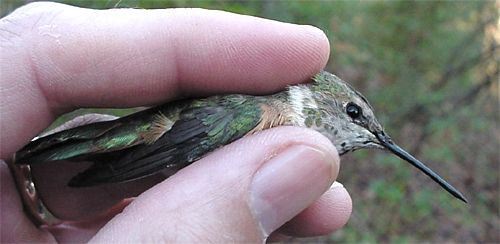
(430, 68)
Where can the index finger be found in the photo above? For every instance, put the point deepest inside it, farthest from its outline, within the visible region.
(66, 57)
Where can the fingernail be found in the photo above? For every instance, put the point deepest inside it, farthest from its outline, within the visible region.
(336, 184)
(288, 183)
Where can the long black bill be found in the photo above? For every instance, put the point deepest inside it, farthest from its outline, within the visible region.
(389, 144)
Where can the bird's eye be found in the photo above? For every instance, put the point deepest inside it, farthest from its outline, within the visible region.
(353, 110)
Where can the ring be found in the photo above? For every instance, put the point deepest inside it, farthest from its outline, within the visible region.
(34, 206)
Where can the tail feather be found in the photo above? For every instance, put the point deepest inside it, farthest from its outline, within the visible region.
(64, 144)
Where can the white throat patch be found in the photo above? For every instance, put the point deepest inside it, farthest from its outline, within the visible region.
(300, 97)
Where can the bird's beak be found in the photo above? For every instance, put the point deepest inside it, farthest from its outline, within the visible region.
(391, 146)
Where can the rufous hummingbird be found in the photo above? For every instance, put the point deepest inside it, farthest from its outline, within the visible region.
(175, 134)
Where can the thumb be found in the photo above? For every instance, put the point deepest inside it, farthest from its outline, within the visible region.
(242, 192)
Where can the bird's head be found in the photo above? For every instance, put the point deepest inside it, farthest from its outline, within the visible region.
(350, 122)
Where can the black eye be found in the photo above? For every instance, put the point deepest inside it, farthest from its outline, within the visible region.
(353, 110)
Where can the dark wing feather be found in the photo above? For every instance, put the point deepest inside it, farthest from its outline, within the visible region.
(202, 127)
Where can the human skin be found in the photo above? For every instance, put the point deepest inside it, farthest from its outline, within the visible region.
(55, 58)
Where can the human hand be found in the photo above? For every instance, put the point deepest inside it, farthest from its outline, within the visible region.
(56, 58)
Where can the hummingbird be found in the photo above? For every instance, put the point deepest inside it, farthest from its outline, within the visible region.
(173, 135)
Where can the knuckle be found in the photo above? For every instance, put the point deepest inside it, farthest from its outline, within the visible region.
(20, 23)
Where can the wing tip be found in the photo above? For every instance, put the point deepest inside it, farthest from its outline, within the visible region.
(86, 178)
(80, 181)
